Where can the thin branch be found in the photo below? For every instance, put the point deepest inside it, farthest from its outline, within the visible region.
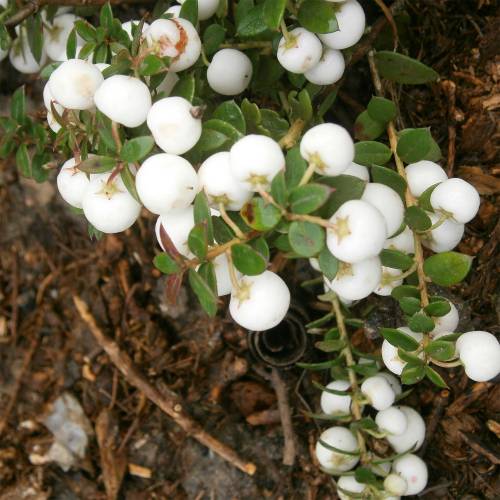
(167, 400)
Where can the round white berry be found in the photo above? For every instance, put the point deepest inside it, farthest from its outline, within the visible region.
(174, 11)
(393, 382)
(255, 160)
(108, 206)
(229, 72)
(72, 183)
(260, 302)
(359, 171)
(480, 353)
(349, 485)
(447, 323)
(191, 51)
(177, 224)
(48, 100)
(217, 180)
(404, 242)
(124, 99)
(456, 197)
(422, 175)
(379, 392)
(175, 124)
(390, 353)
(299, 51)
(329, 147)
(356, 281)
(127, 26)
(56, 36)
(332, 404)
(392, 420)
(390, 280)
(74, 83)
(342, 439)
(413, 435)
(414, 471)
(206, 8)
(166, 182)
(351, 21)
(222, 275)
(329, 69)
(358, 232)
(444, 237)
(395, 484)
(21, 57)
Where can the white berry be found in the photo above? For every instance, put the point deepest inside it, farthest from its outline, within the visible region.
(358, 280)
(349, 484)
(342, 439)
(300, 51)
(332, 404)
(21, 57)
(388, 203)
(359, 171)
(329, 147)
(389, 280)
(166, 182)
(379, 392)
(358, 232)
(49, 101)
(390, 353)
(447, 323)
(177, 224)
(422, 175)
(456, 197)
(413, 435)
(404, 242)
(124, 99)
(260, 302)
(414, 471)
(329, 69)
(351, 20)
(392, 420)
(108, 206)
(444, 237)
(229, 72)
(217, 180)
(206, 8)
(393, 382)
(74, 83)
(222, 275)
(56, 36)
(395, 484)
(255, 160)
(72, 183)
(175, 124)
(480, 353)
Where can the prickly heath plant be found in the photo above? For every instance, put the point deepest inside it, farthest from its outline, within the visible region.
(211, 115)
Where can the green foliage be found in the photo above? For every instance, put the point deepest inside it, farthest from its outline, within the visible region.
(403, 69)
(318, 16)
(447, 268)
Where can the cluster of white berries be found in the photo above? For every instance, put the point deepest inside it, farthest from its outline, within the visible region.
(402, 426)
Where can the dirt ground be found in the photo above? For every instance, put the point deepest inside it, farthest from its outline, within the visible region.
(48, 352)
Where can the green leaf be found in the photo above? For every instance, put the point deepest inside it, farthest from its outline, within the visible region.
(396, 259)
(330, 391)
(308, 198)
(71, 45)
(295, 167)
(4, 38)
(23, 161)
(405, 291)
(207, 272)
(318, 16)
(381, 109)
(338, 450)
(260, 245)
(324, 365)
(412, 373)
(438, 308)
(106, 16)
(165, 264)
(435, 378)
(213, 36)
(247, 260)
(129, 181)
(306, 239)
(85, 30)
(403, 69)
(366, 128)
(390, 178)
(273, 13)
(48, 70)
(222, 233)
(198, 241)
(185, 87)
(417, 219)
(231, 113)
(223, 128)
(251, 112)
(332, 345)
(365, 476)
(189, 11)
(441, 350)
(253, 22)
(136, 149)
(415, 144)
(260, 215)
(151, 65)
(202, 214)
(410, 358)
(211, 140)
(18, 106)
(447, 268)
(424, 201)
(97, 165)
(35, 36)
(400, 339)
(420, 322)
(328, 263)
(278, 189)
(369, 152)
(273, 124)
(204, 292)
(410, 305)
(346, 187)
